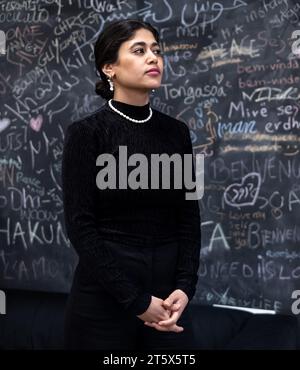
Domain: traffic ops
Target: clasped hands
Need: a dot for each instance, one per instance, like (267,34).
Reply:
(164,314)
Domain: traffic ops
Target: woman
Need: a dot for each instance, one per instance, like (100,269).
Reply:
(138,248)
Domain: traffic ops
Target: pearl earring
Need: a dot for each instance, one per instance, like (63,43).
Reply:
(111,85)
(153,90)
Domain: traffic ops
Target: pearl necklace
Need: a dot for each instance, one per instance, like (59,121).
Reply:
(129,118)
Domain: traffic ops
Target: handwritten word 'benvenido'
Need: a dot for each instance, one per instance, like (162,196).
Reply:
(138,177)
(2,303)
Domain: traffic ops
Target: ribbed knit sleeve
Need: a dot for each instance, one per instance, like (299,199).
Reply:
(79,198)
(189,236)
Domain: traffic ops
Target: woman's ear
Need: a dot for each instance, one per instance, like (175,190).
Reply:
(107,70)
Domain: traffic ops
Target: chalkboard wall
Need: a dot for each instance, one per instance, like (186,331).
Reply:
(229,73)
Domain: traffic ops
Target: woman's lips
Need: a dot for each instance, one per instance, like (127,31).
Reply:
(153,73)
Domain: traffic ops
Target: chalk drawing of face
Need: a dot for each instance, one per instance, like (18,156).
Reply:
(290,150)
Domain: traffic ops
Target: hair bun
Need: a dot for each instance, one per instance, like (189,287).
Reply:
(102,89)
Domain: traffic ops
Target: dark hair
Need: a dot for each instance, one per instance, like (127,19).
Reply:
(107,47)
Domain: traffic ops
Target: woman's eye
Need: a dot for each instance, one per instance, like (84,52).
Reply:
(158,51)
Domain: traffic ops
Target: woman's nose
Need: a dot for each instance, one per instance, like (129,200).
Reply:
(152,56)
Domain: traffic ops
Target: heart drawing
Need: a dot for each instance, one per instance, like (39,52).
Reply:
(36,123)
(243,193)
(4,122)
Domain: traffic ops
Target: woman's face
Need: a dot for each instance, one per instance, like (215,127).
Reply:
(136,56)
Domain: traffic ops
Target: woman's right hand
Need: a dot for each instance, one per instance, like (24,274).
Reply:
(155,312)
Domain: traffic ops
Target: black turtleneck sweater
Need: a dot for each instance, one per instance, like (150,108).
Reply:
(135,216)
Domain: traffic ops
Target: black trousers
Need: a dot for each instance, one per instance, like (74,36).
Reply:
(94,320)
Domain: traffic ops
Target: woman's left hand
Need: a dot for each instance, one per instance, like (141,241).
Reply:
(175,303)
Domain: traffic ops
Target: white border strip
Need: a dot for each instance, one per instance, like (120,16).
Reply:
(252,310)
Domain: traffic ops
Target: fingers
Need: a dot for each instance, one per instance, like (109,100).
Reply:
(175,328)
(156,326)
(167,303)
(171,306)
(179,329)
(170,321)
(164,315)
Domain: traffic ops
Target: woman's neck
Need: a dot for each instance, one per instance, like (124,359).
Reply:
(133,98)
